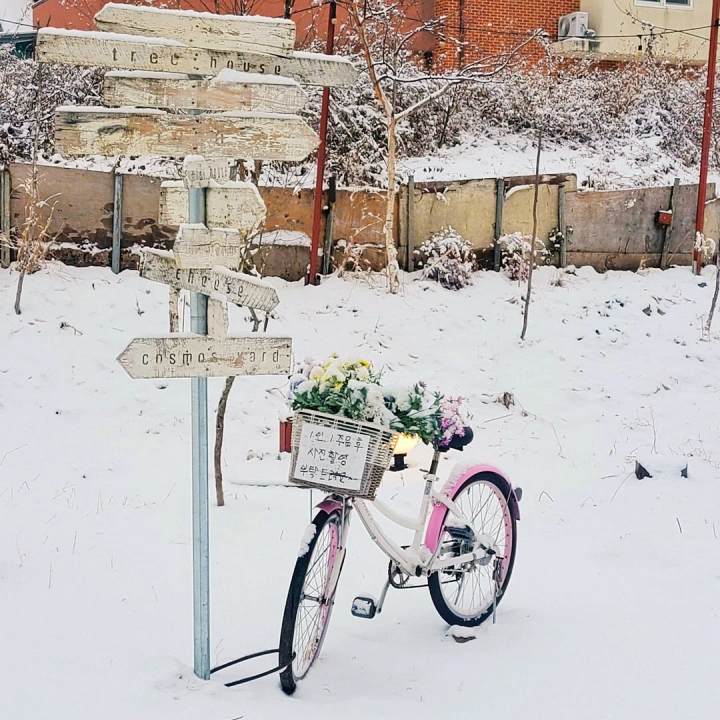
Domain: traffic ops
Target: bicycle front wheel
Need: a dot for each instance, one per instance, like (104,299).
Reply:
(467,595)
(310,599)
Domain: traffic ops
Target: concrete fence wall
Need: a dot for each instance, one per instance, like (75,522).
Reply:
(609,230)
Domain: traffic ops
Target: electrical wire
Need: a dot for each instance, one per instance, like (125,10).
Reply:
(475,28)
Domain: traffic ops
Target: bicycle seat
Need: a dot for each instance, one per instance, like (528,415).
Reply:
(458,442)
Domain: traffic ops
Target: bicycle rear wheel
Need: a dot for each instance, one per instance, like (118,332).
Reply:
(310,599)
(467,595)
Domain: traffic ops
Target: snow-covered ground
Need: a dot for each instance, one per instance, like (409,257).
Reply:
(613,608)
(615,163)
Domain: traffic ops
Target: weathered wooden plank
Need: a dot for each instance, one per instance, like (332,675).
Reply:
(234,287)
(80,47)
(228,90)
(201,29)
(198,171)
(126,131)
(183,356)
(173,302)
(230,204)
(217,318)
(197,246)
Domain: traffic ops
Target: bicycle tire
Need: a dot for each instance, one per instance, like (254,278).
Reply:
(438,581)
(296,660)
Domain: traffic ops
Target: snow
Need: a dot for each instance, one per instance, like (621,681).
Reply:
(295,238)
(148,74)
(461,634)
(228,75)
(612,610)
(110,36)
(152,165)
(493,152)
(97,110)
(202,14)
(307,538)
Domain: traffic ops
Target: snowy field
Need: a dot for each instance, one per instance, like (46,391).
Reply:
(608,164)
(613,611)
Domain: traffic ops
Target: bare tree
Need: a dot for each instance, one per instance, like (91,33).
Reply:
(717,291)
(32,241)
(385,35)
(533,237)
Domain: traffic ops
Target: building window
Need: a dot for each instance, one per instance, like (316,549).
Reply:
(665,3)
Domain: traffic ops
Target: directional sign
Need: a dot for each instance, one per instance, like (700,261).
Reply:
(198,171)
(201,29)
(234,287)
(230,204)
(127,131)
(198,247)
(134,52)
(184,356)
(229,90)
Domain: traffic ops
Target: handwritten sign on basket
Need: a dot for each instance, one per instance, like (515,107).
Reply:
(331,456)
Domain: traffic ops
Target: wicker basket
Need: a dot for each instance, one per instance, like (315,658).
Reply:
(339,445)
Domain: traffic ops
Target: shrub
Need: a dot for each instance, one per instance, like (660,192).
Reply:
(515,252)
(446,258)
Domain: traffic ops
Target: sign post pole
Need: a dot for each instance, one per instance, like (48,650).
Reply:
(200,500)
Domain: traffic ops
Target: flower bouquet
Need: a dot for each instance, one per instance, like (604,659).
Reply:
(352,388)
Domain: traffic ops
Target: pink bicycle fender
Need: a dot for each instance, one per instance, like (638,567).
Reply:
(435,525)
(329,504)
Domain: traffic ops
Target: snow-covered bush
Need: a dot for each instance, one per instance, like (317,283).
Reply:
(59,85)
(515,252)
(447,258)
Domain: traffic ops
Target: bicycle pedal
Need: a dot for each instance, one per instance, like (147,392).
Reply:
(364,607)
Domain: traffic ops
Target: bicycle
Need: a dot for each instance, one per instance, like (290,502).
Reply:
(464,544)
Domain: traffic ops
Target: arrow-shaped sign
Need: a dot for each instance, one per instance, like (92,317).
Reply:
(234,287)
(199,247)
(228,90)
(83,130)
(230,204)
(201,29)
(134,52)
(184,356)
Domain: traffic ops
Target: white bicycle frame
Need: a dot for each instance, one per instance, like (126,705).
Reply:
(417,559)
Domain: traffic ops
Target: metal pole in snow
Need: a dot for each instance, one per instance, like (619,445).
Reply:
(200,503)
(320,175)
(707,136)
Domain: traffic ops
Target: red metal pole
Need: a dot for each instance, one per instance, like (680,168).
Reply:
(312,275)
(707,135)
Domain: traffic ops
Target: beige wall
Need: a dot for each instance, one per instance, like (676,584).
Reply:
(624,17)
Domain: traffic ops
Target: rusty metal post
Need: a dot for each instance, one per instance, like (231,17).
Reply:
(707,136)
(312,276)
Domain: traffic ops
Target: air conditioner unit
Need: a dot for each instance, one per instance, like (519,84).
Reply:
(574,25)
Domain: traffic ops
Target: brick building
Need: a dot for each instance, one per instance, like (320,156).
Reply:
(479,28)
(473,29)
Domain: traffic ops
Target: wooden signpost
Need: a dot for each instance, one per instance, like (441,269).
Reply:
(196,246)
(229,90)
(219,282)
(144,131)
(235,79)
(199,172)
(185,356)
(230,204)
(201,29)
(87,47)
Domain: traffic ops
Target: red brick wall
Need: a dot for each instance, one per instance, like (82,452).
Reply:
(492,27)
